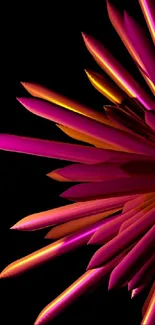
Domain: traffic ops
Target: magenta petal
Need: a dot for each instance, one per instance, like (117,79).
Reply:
(135,258)
(150,119)
(116,71)
(51,251)
(144,274)
(111,188)
(69,212)
(123,240)
(89,127)
(148,205)
(59,150)
(91,173)
(136,202)
(141,44)
(108,231)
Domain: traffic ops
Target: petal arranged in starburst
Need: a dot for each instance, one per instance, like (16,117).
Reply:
(137,291)
(105,87)
(77,224)
(117,72)
(97,130)
(125,186)
(114,204)
(80,286)
(51,96)
(149,14)
(106,233)
(150,119)
(69,212)
(143,47)
(91,173)
(144,274)
(134,259)
(53,250)
(123,239)
(117,21)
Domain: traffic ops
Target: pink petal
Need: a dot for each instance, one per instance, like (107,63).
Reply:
(86,125)
(123,240)
(111,188)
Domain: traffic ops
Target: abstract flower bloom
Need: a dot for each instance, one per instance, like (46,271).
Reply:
(114,205)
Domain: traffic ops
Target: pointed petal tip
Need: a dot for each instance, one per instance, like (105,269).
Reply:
(2,275)
(37,322)
(47,236)
(92,241)
(84,36)
(111,285)
(63,195)
(132,294)
(15,226)
(23,83)
(90,265)
(130,286)
(40,320)
(21,100)
(5,273)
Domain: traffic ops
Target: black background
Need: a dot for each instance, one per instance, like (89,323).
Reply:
(43,44)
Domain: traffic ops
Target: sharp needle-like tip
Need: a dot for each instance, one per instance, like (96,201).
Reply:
(23,83)
(47,237)
(13,227)
(84,35)
(89,266)
(20,100)
(92,241)
(40,321)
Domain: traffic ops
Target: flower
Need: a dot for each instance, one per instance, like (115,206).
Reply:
(114,202)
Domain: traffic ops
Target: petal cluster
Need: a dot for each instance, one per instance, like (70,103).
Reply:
(113,203)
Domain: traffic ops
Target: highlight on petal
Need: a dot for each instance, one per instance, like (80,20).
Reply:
(106,233)
(69,212)
(149,315)
(115,205)
(123,240)
(146,208)
(77,224)
(105,87)
(147,301)
(79,287)
(122,273)
(89,127)
(144,274)
(85,138)
(135,292)
(143,47)
(51,96)
(53,250)
(117,20)
(115,70)
(149,14)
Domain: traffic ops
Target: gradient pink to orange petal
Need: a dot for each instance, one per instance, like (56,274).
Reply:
(113,203)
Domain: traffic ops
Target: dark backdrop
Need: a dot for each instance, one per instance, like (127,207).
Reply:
(44,44)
